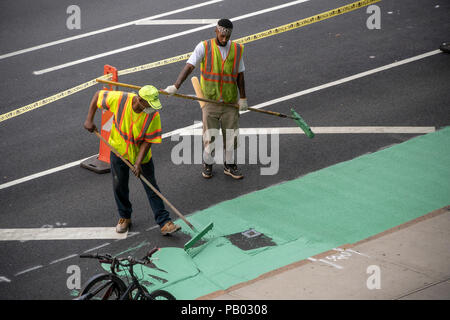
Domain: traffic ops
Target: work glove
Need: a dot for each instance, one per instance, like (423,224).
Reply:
(171,90)
(243,106)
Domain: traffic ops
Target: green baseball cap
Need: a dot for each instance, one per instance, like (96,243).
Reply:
(151,95)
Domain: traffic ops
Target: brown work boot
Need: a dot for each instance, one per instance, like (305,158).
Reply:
(123,225)
(232,170)
(169,228)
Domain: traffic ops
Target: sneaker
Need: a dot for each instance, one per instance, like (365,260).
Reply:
(232,170)
(169,228)
(207,171)
(123,225)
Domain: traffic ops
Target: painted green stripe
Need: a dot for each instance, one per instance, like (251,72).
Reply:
(341,204)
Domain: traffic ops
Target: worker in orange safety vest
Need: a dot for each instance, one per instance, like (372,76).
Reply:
(136,126)
(222,79)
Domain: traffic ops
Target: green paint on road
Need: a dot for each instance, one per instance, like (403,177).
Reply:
(341,204)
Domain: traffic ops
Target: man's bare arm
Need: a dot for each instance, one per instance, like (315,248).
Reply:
(143,150)
(89,123)
(241,85)
(187,70)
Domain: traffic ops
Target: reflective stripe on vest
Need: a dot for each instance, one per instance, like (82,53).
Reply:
(218,77)
(121,137)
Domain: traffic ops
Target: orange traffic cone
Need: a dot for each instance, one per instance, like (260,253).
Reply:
(101,163)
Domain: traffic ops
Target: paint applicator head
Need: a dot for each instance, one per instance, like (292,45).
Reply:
(302,124)
(198,236)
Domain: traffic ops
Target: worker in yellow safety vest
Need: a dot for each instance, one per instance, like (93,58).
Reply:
(136,126)
(222,79)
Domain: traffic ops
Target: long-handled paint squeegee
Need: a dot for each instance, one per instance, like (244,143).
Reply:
(294,115)
(198,235)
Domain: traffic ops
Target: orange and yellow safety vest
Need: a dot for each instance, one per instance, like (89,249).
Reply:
(218,76)
(129,128)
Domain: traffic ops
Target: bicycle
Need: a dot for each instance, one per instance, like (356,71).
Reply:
(108,286)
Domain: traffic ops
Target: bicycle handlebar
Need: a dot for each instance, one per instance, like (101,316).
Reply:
(151,252)
(107,258)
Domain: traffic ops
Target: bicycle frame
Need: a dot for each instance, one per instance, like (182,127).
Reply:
(114,284)
(133,285)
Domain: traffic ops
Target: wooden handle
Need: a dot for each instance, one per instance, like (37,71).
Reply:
(145,181)
(272,113)
(198,90)
(166,93)
(114,83)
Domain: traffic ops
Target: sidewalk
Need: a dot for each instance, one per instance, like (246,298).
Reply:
(413,261)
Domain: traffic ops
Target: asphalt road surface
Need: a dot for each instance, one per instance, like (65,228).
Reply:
(412,94)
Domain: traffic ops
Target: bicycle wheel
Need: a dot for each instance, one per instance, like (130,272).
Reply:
(161,295)
(136,294)
(103,287)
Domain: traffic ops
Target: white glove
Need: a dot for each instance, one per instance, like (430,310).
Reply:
(171,90)
(243,106)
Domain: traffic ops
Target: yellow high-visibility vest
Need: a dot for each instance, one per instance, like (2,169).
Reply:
(219,77)
(129,128)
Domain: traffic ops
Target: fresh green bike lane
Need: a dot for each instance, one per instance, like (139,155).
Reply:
(271,228)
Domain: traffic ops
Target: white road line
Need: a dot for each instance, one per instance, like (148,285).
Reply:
(111,52)
(259,106)
(96,248)
(41,174)
(151,228)
(88,34)
(168,37)
(320,130)
(22,234)
(347,79)
(132,234)
(65,258)
(282,6)
(77,163)
(27,270)
(177,21)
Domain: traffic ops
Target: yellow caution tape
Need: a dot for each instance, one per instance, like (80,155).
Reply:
(307,21)
(264,34)
(56,97)
(156,64)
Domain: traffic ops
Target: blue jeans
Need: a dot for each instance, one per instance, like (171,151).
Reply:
(120,174)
